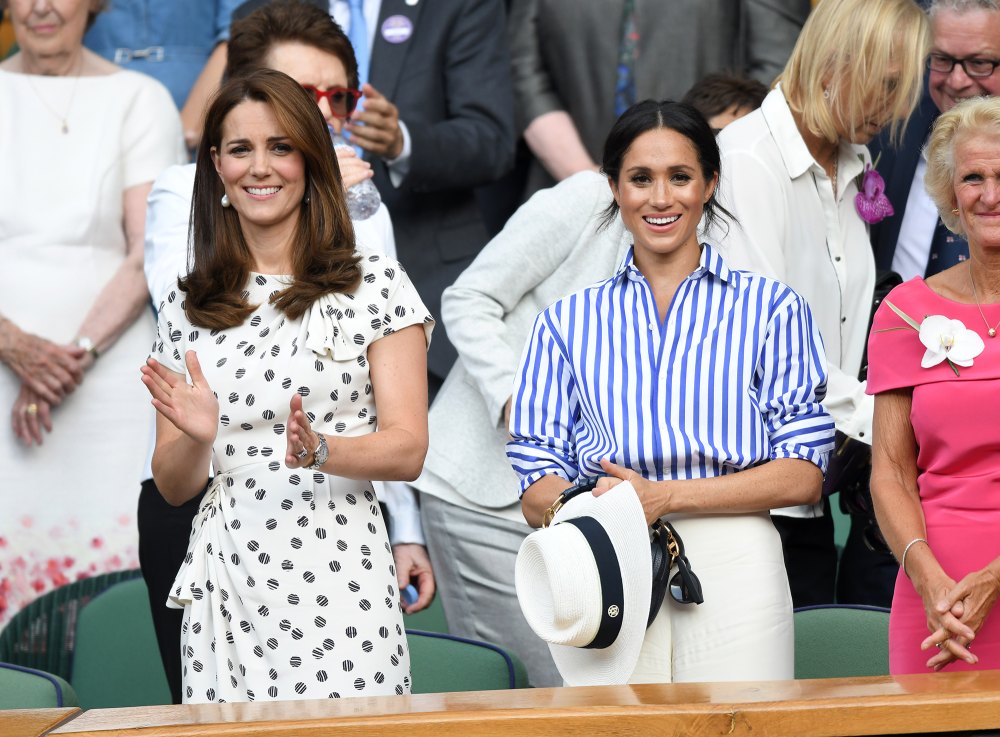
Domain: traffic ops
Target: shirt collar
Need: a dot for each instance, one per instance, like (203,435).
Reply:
(794,152)
(709,263)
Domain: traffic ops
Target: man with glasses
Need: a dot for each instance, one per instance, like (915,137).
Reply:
(962,63)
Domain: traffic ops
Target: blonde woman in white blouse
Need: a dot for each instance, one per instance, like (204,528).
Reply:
(790,179)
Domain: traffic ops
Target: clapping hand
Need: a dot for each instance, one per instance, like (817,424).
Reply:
(302,441)
(192,408)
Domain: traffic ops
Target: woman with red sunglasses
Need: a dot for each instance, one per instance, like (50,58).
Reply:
(302,41)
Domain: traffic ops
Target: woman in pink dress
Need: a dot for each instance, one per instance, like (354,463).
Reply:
(934,368)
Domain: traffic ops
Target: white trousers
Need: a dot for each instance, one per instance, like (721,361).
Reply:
(743,631)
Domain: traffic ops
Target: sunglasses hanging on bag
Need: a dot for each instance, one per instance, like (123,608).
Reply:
(668,551)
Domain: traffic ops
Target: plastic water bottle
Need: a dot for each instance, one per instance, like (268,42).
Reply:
(363,199)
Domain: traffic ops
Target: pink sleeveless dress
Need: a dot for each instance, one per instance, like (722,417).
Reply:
(955,423)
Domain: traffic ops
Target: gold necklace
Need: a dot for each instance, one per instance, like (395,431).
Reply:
(64,119)
(991,331)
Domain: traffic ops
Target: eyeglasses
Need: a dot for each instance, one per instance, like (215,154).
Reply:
(342,100)
(684,586)
(974,67)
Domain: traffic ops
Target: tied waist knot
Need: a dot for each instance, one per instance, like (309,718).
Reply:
(199,558)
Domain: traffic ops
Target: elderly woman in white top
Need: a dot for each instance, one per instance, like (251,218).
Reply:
(790,178)
(81,141)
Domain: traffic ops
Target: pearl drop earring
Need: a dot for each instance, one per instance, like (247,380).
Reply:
(225,200)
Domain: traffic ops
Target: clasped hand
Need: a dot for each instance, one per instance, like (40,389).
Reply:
(955,613)
(48,373)
(30,415)
(49,370)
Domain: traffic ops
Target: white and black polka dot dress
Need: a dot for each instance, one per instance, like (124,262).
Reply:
(288,586)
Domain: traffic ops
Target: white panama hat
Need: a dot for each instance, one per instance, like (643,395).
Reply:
(584,585)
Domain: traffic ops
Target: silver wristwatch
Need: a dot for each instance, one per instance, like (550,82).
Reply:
(320,455)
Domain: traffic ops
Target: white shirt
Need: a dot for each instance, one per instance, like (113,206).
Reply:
(913,246)
(791,229)
(166,258)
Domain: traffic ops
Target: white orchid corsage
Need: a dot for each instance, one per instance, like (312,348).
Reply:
(945,340)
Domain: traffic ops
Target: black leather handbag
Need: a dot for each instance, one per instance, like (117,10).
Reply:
(667,550)
(850,467)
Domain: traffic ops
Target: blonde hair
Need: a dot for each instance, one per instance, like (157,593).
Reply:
(843,53)
(980,115)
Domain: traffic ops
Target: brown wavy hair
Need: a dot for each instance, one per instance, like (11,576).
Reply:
(323,260)
(286,21)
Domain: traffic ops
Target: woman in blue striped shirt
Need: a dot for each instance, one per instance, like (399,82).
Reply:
(698,384)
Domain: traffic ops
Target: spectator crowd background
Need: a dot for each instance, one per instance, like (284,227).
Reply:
(469,110)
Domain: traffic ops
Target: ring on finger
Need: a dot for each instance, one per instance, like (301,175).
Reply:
(31,409)
(302,454)
(940,645)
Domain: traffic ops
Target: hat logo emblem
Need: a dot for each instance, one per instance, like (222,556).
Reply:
(613,611)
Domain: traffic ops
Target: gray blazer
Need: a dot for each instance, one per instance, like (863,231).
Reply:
(564,54)
(549,248)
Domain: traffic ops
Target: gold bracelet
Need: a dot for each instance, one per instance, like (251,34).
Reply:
(902,560)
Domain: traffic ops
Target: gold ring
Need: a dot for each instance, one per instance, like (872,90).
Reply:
(31,409)
(940,644)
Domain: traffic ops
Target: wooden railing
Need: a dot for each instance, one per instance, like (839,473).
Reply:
(943,702)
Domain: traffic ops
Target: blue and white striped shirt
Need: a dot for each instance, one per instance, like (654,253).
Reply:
(732,378)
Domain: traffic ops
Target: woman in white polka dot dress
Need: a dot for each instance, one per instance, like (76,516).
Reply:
(269,358)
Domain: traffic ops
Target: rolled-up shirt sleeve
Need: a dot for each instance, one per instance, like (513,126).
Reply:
(545,408)
(791,382)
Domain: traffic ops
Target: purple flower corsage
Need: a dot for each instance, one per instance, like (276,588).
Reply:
(870,201)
